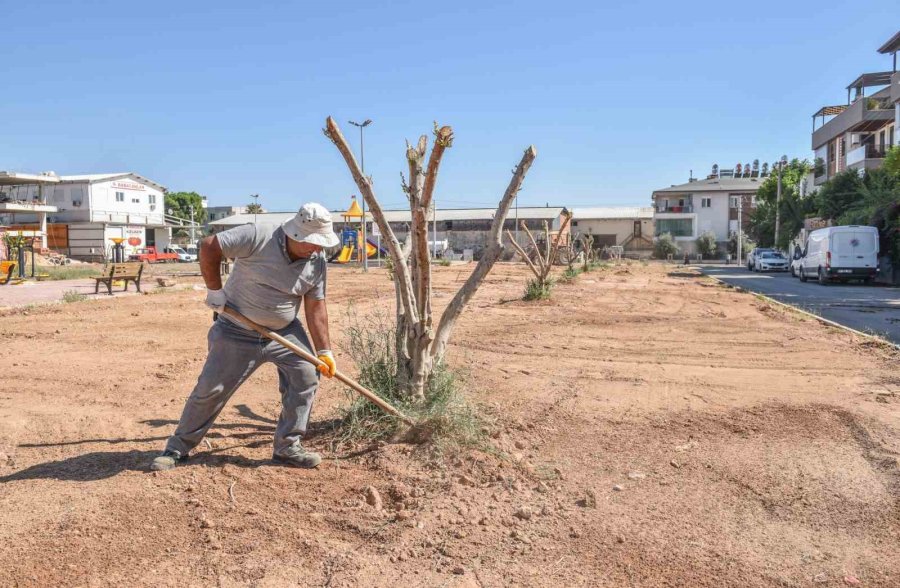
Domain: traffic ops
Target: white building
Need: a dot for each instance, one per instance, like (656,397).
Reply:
(689,210)
(94,208)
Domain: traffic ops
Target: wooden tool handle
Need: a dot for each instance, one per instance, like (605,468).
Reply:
(365,392)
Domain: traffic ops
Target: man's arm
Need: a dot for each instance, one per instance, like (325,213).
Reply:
(211,262)
(317,322)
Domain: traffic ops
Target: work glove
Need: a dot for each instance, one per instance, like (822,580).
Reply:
(215,299)
(327,358)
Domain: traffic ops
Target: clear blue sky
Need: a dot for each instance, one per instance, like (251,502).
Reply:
(229,98)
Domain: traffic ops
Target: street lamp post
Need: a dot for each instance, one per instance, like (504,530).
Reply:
(255,206)
(362,162)
(781,163)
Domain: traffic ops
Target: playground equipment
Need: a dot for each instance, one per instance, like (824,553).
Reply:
(351,239)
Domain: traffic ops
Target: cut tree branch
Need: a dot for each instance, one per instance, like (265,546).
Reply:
(401,270)
(443,138)
(524,255)
(488,258)
(537,250)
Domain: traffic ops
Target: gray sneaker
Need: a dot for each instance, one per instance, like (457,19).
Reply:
(299,458)
(166,461)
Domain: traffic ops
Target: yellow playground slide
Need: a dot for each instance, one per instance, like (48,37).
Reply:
(346,254)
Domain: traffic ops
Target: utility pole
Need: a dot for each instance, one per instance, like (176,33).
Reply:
(781,165)
(192,225)
(362,163)
(740,234)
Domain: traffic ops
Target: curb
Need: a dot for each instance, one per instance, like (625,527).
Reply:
(806,313)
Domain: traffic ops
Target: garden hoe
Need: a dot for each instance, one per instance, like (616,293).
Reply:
(368,394)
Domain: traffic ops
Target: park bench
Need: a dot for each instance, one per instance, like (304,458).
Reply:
(6,271)
(120,271)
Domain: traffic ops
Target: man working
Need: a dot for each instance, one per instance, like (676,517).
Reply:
(274,270)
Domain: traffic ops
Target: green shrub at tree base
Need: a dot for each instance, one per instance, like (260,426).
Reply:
(707,246)
(664,246)
(535,290)
(450,421)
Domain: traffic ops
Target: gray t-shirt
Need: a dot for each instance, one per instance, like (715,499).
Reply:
(265,285)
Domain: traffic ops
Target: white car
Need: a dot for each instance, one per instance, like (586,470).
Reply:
(754,255)
(771,261)
(183,256)
(842,253)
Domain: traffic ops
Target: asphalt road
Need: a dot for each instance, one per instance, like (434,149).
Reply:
(870,309)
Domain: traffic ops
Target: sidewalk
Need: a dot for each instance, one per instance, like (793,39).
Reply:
(32,292)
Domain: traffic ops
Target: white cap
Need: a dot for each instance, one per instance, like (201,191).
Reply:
(312,225)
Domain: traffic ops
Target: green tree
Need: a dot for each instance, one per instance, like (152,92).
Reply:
(706,245)
(793,209)
(747,245)
(838,194)
(665,246)
(180,205)
(892,161)
(877,203)
(254,208)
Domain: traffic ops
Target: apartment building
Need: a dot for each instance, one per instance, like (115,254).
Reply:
(715,204)
(857,135)
(82,213)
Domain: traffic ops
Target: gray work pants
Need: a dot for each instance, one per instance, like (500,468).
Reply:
(234,354)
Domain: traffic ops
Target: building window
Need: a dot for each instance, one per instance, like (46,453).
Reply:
(574,223)
(135,200)
(679,227)
(448,225)
(151,198)
(705,202)
(120,196)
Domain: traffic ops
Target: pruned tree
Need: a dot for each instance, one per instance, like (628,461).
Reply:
(421,345)
(543,259)
(587,247)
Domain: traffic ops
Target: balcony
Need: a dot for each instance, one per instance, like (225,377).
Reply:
(868,113)
(687,208)
(866,156)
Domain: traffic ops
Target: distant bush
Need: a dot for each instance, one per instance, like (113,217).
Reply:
(664,246)
(707,246)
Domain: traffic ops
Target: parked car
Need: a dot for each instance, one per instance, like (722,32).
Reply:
(151,255)
(840,254)
(193,252)
(753,255)
(771,261)
(183,256)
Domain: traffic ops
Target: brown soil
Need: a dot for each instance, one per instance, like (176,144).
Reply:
(653,429)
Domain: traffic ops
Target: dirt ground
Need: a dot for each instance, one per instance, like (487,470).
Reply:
(654,428)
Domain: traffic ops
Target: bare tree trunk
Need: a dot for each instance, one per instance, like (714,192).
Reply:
(419,346)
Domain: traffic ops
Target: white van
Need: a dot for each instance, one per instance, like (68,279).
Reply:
(840,253)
